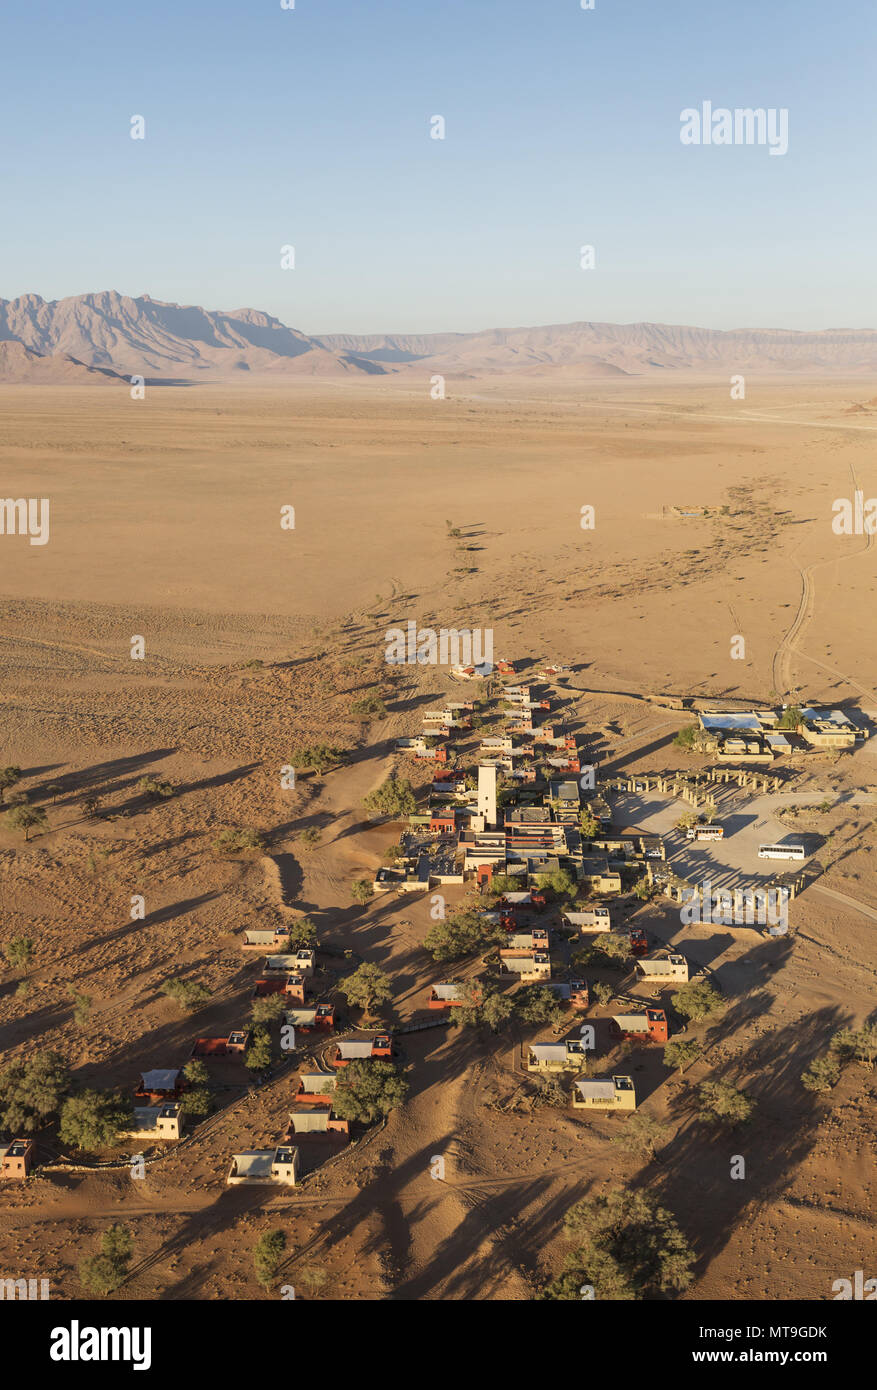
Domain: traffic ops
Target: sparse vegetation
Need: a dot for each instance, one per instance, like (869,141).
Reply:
(104,1273)
(267,1254)
(234,841)
(18,952)
(8,778)
(189,994)
(822,1074)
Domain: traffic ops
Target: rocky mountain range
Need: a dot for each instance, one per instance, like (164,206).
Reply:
(91,337)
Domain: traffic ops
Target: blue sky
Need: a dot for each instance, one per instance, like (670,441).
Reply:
(310,127)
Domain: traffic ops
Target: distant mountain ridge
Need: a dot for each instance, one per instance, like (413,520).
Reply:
(145,336)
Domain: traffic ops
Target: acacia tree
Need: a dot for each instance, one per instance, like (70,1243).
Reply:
(366,986)
(8,777)
(698,1000)
(25,817)
(461,935)
(32,1090)
(722,1103)
(368,1090)
(394,797)
(627,1247)
(93,1119)
(678,1052)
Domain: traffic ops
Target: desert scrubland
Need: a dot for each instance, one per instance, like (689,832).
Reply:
(165,524)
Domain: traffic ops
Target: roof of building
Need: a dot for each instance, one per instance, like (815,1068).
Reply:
(355,1048)
(602,1088)
(162,1079)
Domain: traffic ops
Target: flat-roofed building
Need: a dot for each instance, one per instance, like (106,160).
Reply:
(16,1158)
(279,1166)
(563,1056)
(604,1093)
(663,969)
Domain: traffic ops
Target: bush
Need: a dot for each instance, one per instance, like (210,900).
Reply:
(361,890)
(267,1254)
(233,841)
(106,1272)
(822,1074)
(258,1055)
(19,952)
(155,789)
(189,994)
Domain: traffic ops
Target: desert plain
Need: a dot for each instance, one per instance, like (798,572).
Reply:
(165,524)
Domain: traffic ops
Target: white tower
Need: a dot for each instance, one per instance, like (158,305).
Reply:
(487,796)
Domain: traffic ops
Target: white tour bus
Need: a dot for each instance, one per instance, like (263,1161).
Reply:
(781,852)
(705,832)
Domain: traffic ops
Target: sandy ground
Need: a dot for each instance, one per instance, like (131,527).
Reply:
(166,524)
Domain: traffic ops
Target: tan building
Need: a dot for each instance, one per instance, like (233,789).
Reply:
(551,1057)
(663,969)
(604,1093)
(16,1157)
(158,1121)
(827,729)
(279,1166)
(597,876)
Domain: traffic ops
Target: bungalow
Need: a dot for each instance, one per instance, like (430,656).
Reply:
(157,1122)
(604,1093)
(648,1026)
(298,962)
(352,1049)
(531,966)
(314,1087)
(263,939)
(575,992)
(16,1158)
(308,1120)
(446,996)
(662,968)
(279,1166)
(449,786)
(317,1020)
(591,919)
(563,1056)
(162,1084)
(523,943)
(443,822)
(234,1043)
